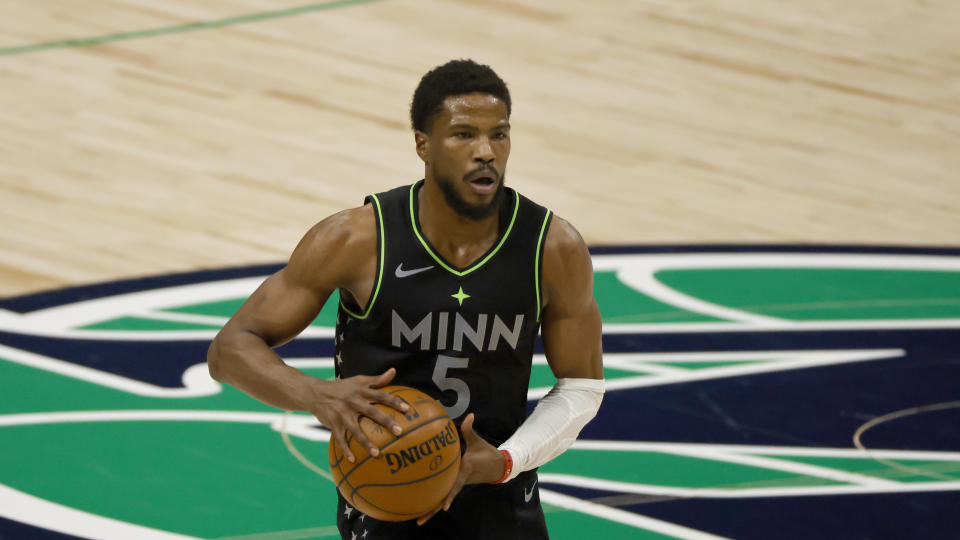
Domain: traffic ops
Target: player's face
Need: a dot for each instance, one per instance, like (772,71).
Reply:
(466,152)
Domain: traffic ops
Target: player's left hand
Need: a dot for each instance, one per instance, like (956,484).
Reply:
(481,463)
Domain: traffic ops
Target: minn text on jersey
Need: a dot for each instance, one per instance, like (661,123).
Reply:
(483,334)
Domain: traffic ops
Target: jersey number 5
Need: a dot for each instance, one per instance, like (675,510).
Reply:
(444,382)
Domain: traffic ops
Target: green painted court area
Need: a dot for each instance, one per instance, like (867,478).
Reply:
(216,468)
(663,469)
(621,304)
(182,476)
(203,479)
(38,390)
(199,478)
(800,294)
(564,524)
(900,470)
(226,308)
(618,303)
(806,294)
(146,323)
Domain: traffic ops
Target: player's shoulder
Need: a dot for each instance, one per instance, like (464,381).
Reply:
(341,239)
(346,226)
(567,268)
(563,240)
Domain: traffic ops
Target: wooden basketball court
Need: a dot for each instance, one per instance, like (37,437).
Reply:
(141,138)
(153,138)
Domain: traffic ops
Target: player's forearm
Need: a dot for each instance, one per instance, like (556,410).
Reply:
(244,361)
(554,424)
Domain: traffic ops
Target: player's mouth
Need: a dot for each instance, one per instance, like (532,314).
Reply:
(483,182)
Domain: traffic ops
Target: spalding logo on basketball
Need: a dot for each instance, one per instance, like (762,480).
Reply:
(414,471)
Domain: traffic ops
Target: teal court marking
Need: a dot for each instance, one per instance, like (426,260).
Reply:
(652,294)
(181,28)
(153,438)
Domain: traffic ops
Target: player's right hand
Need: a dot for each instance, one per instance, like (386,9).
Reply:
(339,405)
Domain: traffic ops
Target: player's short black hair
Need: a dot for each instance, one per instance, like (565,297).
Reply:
(455,78)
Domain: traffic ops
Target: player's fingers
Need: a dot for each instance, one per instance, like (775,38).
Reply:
(384,378)
(466,428)
(457,486)
(467,425)
(382,418)
(341,440)
(423,519)
(376,396)
(353,427)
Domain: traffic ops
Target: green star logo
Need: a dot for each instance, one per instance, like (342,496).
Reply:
(460,296)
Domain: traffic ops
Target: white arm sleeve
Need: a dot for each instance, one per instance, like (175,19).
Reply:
(554,424)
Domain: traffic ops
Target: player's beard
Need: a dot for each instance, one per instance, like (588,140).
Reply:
(471,211)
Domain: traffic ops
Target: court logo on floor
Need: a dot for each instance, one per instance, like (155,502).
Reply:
(737,379)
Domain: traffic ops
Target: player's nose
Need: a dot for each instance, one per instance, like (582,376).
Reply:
(483,150)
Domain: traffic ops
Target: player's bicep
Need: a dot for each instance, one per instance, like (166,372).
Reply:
(279,309)
(572,344)
(290,300)
(572,329)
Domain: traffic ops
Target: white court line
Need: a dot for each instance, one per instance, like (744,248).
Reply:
(755,355)
(608,329)
(149,335)
(786,326)
(622,516)
(638,271)
(791,467)
(745,492)
(784,361)
(89,311)
(196,380)
(173,316)
(684,261)
(798,451)
(25,508)
(634,269)
(612,362)
(308,363)
(198,383)
(306,424)
(12,323)
(139,415)
(643,280)
(299,425)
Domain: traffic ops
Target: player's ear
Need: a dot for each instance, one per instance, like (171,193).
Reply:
(423,145)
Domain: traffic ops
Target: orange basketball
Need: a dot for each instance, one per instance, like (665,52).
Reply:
(413,472)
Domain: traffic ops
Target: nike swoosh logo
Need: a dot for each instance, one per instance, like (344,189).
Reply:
(527,495)
(401,273)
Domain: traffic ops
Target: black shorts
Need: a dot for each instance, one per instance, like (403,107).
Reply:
(480,512)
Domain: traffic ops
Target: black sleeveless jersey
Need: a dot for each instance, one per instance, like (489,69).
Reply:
(462,335)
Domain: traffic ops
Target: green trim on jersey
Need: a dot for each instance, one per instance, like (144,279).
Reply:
(380,263)
(478,264)
(536,260)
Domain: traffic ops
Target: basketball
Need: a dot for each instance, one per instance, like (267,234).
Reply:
(413,472)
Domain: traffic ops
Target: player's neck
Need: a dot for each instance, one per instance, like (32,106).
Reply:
(459,239)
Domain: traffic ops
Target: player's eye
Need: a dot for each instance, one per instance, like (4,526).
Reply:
(463,135)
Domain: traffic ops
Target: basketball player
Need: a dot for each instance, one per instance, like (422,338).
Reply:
(444,285)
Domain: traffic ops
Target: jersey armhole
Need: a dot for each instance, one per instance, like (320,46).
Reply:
(381,250)
(538,264)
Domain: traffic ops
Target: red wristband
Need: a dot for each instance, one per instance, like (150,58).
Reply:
(507,468)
